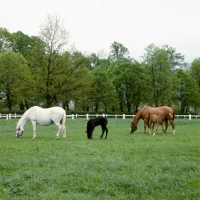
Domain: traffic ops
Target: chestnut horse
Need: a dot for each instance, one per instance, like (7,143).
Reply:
(158,120)
(145,113)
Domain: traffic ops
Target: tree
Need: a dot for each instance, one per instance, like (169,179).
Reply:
(24,44)
(131,83)
(195,70)
(161,62)
(186,92)
(118,52)
(5,40)
(54,35)
(15,78)
(48,62)
(78,80)
(103,94)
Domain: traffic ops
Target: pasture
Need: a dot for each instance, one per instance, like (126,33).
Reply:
(125,166)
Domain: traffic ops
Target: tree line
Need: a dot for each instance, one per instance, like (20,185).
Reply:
(43,70)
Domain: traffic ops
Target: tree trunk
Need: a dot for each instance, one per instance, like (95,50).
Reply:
(21,106)
(129,106)
(96,108)
(121,107)
(48,103)
(26,104)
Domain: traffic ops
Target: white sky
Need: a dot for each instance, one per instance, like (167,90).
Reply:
(95,24)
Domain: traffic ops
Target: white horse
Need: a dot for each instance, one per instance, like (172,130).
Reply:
(47,116)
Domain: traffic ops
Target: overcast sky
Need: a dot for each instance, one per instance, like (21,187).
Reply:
(95,24)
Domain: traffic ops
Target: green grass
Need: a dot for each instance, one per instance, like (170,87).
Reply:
(125,166)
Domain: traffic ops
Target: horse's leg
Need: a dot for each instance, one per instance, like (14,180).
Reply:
(34,128)
(146,123)
(157,125)
(163,128)
(91,137)
(153,129)
(59,128)
(103,130)
(166,125)
(151,126)
(64,131)
(106,132)
(154,132)
(172,124)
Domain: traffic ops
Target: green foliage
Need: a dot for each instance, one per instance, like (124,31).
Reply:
(59,75)
(24,44)
(78,84)
(186,91)
(15,78)
(124,166)
(118,52)
(160,64)
(5,40)
(115,83)
(195,70)
(131,83)
(103,94)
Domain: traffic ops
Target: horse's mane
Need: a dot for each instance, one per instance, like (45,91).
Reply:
(138,115)
(23,116)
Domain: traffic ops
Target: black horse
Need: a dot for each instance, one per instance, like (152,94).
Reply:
(92,123)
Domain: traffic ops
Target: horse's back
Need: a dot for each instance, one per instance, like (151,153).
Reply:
(56,109)
(101,121)
(97,121)
(159,110)
(147,111)
(56,113)
(46,115)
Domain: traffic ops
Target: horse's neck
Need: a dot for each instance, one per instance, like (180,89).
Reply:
(137,118)
(23,120)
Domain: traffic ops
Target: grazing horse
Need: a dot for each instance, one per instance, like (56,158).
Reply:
(158,120)
(145,113)
(47,116)
(92,123)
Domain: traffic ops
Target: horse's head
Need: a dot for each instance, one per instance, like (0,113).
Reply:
(133,127)
(89,134)
(19,132)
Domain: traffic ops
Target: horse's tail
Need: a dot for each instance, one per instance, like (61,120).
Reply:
(173,113)
(63,119)
(171,116)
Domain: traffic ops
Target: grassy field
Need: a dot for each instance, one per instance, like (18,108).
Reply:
(125,166)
